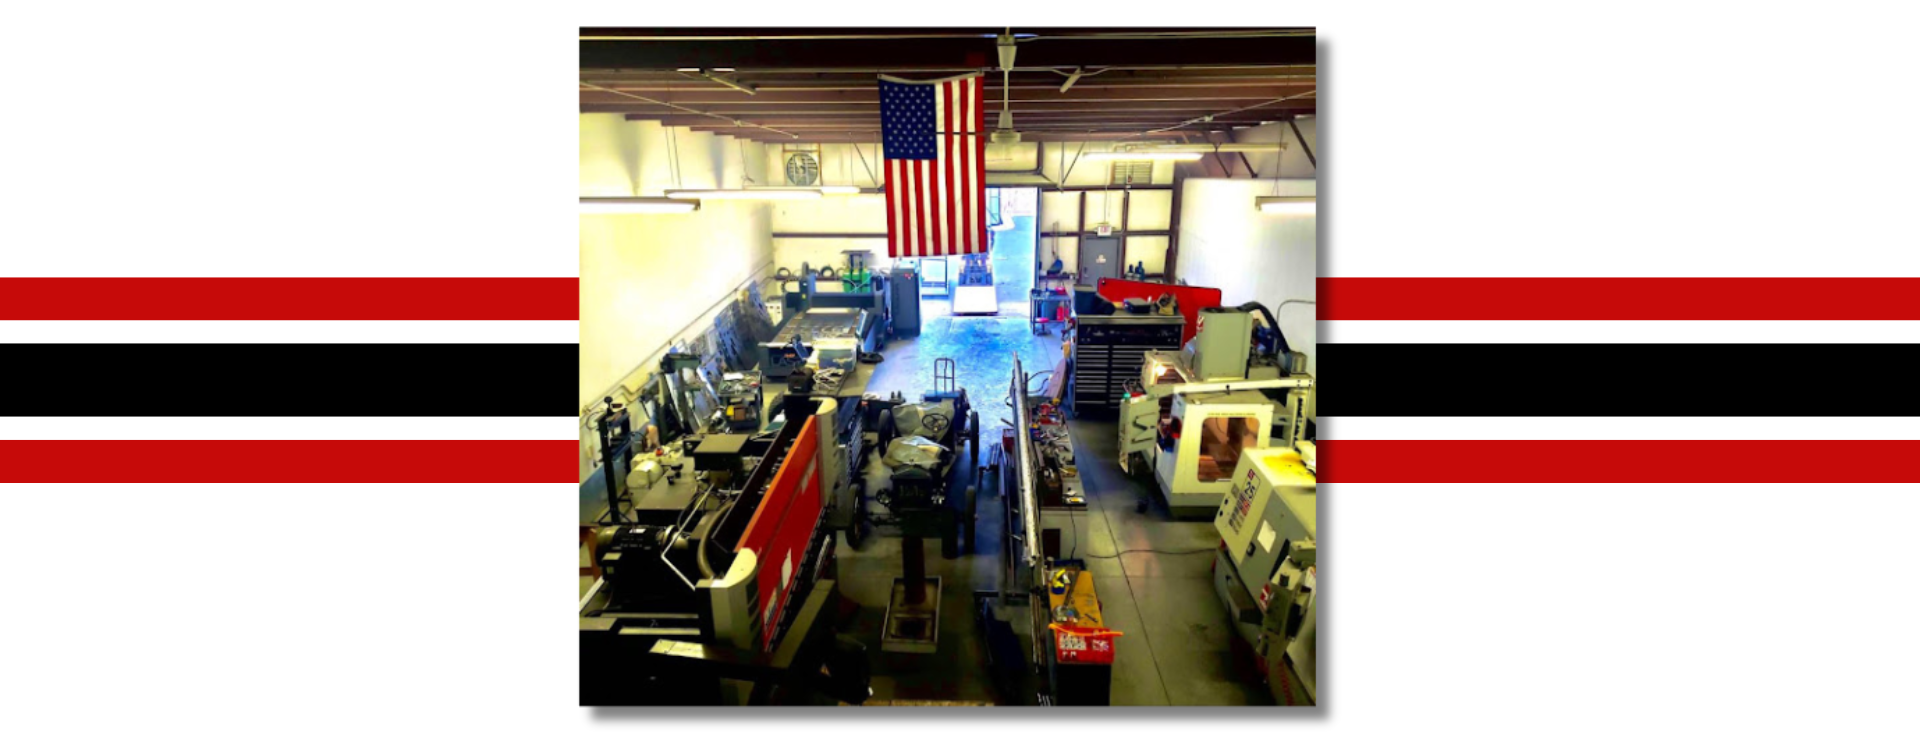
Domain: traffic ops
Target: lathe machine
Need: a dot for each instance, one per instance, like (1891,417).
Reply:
(1267,567)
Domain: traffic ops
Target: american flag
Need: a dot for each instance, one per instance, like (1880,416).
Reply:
(933,136)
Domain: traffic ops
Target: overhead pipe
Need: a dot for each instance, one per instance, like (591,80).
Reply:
(1210,117)
(709,75)
(657,102)
(1224,147)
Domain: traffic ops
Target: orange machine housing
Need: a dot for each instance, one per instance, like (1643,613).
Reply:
(783,528)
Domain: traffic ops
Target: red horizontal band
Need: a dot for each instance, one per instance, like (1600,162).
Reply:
(1620,461)
(1618,299)
(289,299)
(289,462)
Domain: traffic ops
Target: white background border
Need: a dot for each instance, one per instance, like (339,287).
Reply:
(1463,139)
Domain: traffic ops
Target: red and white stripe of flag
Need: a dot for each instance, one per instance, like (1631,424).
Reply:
(938,207)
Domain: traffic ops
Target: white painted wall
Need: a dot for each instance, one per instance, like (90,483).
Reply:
(646,278)
(1293,158)
(850,214)
(1250,255)
(609,156)
(841,164)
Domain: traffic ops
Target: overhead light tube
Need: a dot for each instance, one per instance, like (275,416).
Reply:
(635,206)
(1143,156)
(1287,205)
(744,194)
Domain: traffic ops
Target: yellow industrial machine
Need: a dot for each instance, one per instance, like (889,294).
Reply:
(1267,566)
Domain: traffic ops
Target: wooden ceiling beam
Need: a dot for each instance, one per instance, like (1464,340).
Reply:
(870,137)
(1042,108)
(867,88)
(872,49)
(1020,76)
(1019,120)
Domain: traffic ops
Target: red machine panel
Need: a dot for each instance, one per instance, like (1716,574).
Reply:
(783,527)
(1191,299)
(1083,645)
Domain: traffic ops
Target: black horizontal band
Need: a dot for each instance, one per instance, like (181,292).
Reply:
(1620,380)
(372,380)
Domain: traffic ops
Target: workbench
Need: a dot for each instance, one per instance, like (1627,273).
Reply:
(1043,307)
(1063,520)
(1047,526)
(853,386)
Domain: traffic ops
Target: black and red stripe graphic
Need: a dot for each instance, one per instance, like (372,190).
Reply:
(287,461)
(1620,380)
(1619,299)
(288,380)
(269,382)
(1620,461)
(401,404)
(1773,386)
(289,299)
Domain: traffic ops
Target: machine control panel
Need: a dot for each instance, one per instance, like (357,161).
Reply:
(1269,508)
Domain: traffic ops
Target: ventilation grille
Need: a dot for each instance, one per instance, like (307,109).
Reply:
(1127,172)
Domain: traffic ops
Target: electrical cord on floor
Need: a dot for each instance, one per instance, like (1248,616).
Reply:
(1151,551)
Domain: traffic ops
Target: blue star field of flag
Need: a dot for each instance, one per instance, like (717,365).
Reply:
(907,129)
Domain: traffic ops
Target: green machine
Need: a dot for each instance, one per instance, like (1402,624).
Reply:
(858,277)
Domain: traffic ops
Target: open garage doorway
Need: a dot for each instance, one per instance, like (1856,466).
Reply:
(980,322)
(1012,246)
(998,283)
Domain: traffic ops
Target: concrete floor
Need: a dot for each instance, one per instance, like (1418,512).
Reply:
(1177,633)
(1175,648)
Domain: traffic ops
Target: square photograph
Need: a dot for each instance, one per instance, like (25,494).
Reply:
(948,367)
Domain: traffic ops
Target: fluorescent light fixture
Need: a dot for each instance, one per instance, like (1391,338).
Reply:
(744,193)
(1287,205)
(1144,155)
(635,205)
